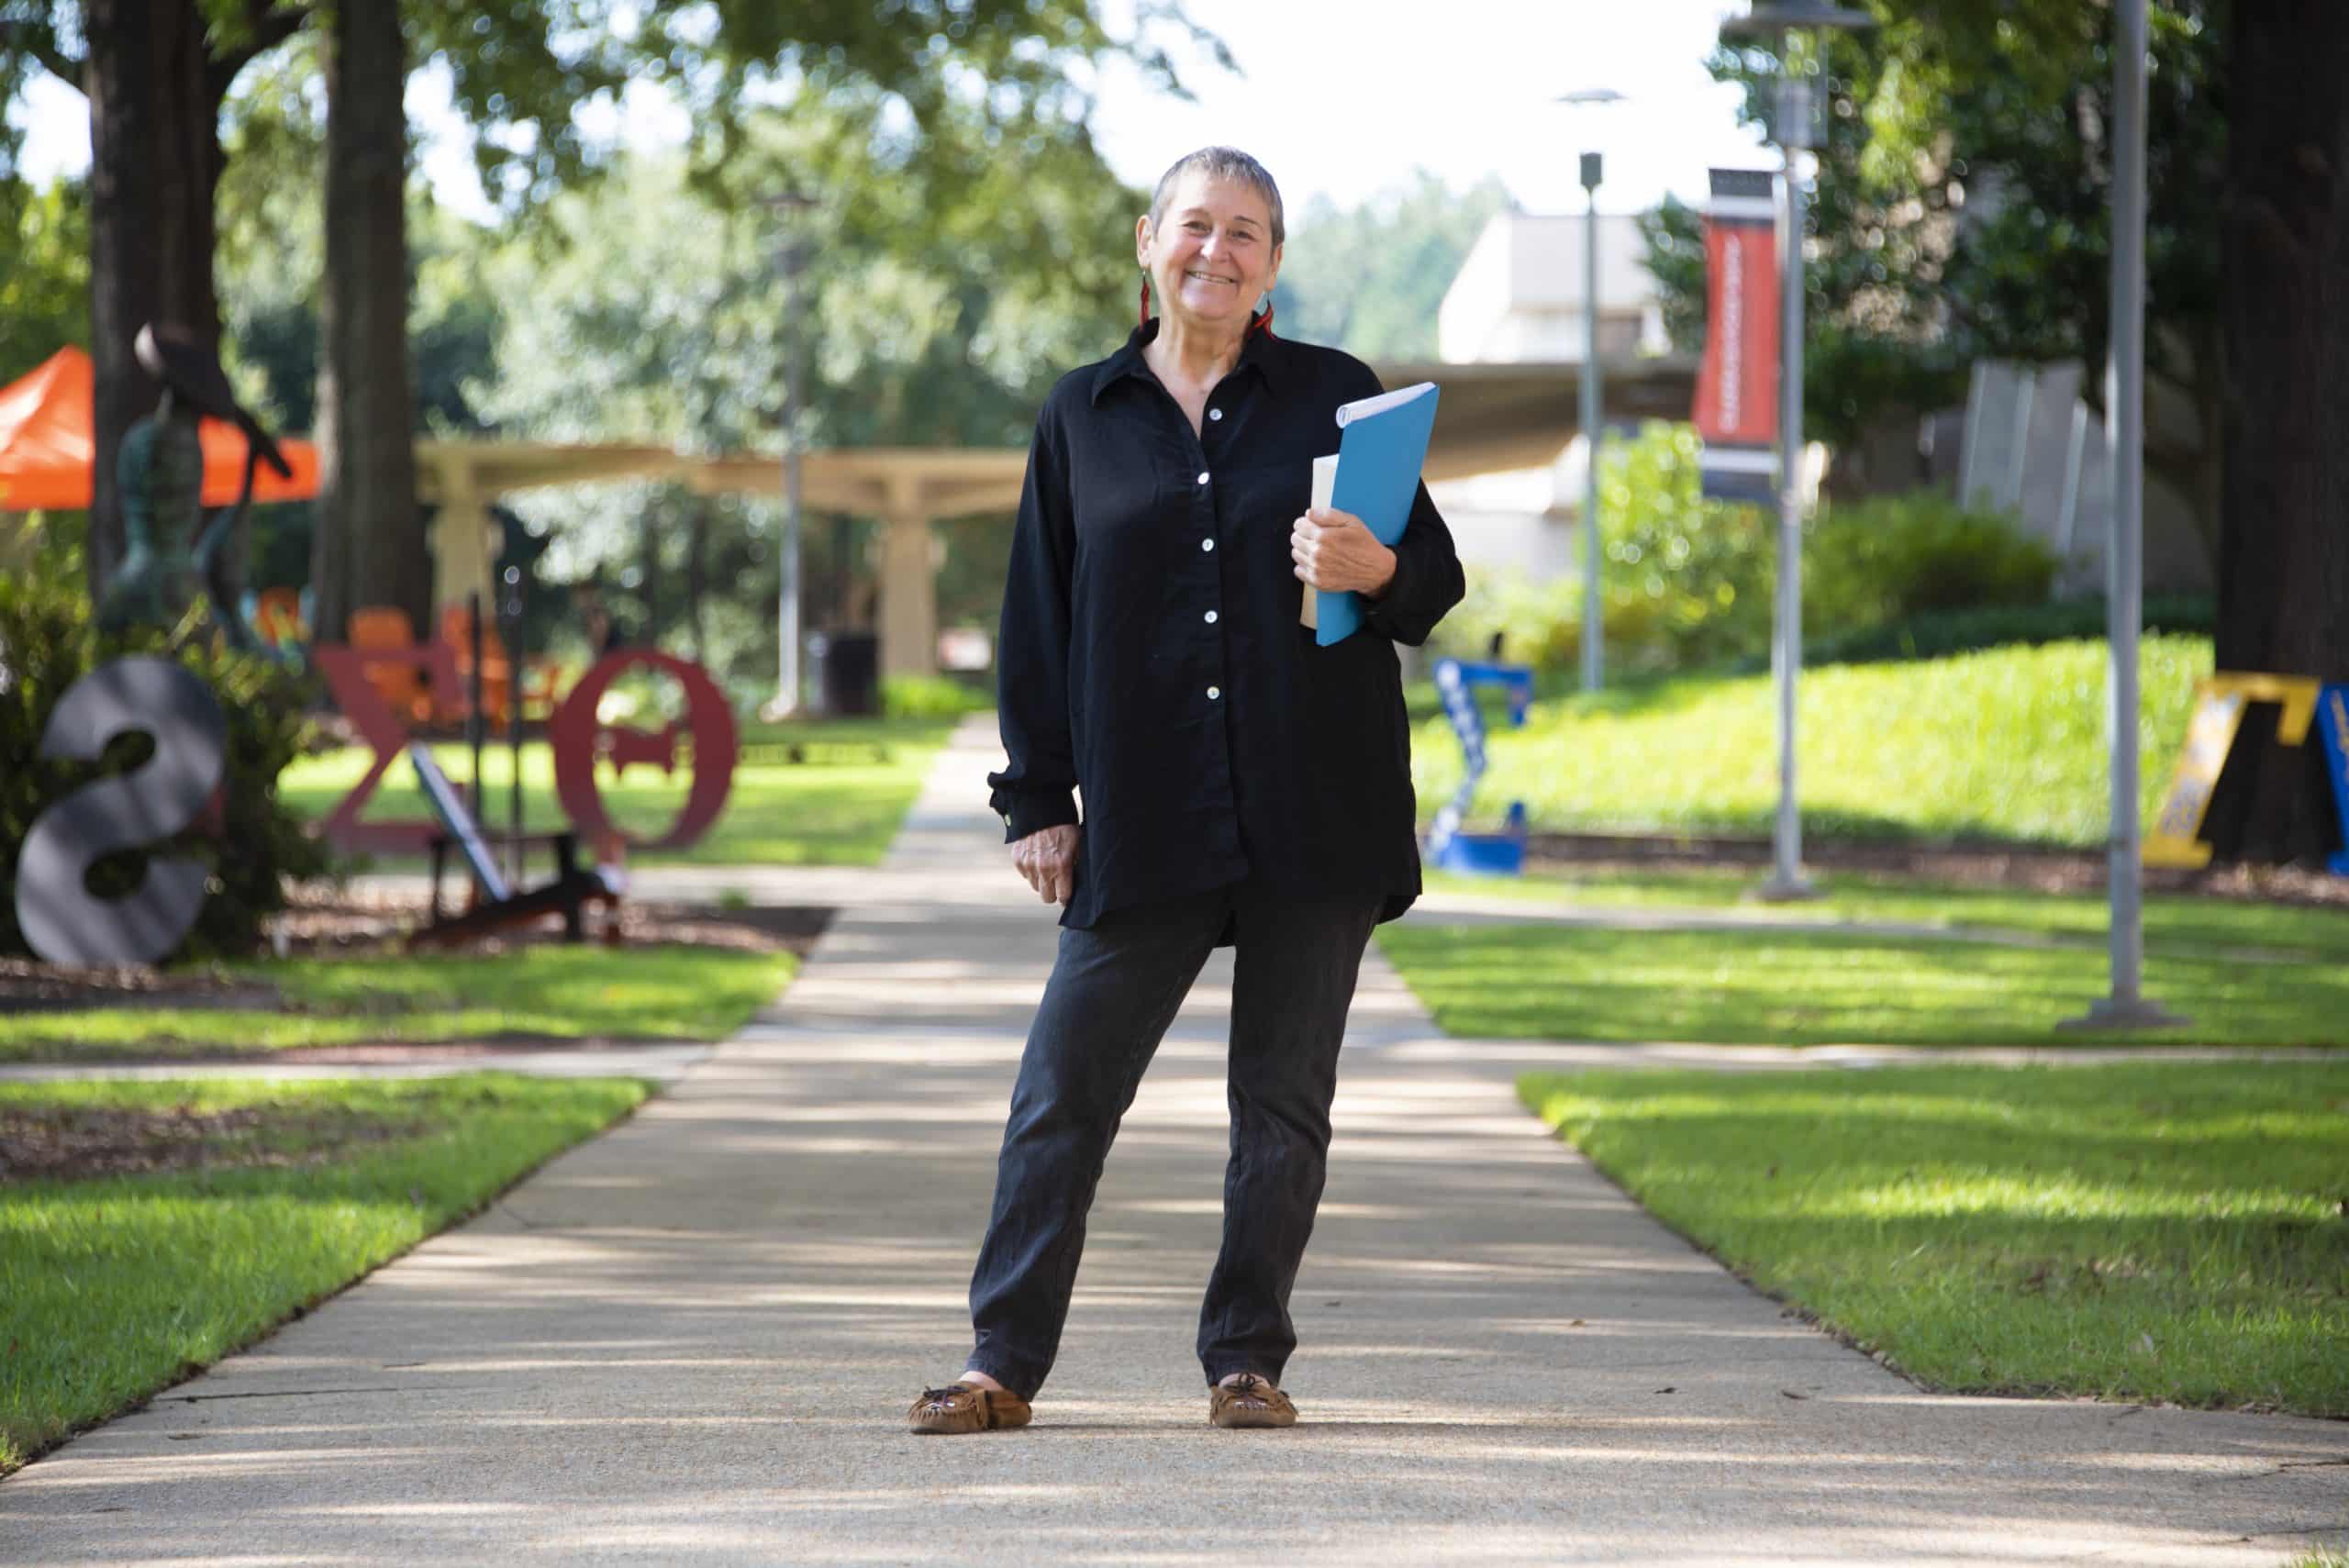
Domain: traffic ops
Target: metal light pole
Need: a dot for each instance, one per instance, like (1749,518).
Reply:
(794,256)
(1594,603)
(1779,22)
(2126,1008)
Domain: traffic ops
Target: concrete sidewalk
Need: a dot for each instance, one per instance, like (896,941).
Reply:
(693,1340)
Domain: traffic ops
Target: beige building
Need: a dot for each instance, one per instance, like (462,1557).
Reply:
(1519,296)
(1519,299)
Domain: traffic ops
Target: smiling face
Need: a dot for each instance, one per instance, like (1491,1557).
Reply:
(1210,255)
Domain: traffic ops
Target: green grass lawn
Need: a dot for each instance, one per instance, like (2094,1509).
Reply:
(1802,988)
(2175,923)
(2246,974)
(114,1288)
(2006,744)
(840,805)
(552,993)
(2132,1231)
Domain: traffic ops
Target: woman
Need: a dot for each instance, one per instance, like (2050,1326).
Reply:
(1241,785)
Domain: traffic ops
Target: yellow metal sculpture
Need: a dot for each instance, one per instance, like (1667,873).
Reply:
(2219,702)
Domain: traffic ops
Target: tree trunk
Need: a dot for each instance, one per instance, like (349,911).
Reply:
(2208,492)
(369,547)
(2284,555)
(154,158)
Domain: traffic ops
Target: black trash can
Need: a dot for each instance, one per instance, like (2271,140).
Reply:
(850,677)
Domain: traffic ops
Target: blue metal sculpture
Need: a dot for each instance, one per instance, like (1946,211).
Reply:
(2332,722)
(1492,855)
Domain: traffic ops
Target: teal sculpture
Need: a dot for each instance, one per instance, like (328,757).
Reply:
(171,554)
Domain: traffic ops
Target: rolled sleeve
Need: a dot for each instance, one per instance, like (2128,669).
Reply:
(1036,789)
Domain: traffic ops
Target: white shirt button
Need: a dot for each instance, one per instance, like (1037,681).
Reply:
(1215,412)
(1207,544)
(1214,691)
(1203,476)
(1211,617)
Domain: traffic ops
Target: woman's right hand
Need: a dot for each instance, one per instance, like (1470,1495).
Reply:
(1048,860)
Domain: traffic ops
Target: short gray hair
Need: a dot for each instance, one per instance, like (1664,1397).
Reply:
(1221,163)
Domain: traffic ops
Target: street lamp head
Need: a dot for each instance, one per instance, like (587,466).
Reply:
(1768,18)
(1590,98)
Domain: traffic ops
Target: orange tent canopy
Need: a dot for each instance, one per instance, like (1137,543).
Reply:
(47,446)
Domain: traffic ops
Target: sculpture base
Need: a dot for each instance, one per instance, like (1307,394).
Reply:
(1483,855)
(1793,889)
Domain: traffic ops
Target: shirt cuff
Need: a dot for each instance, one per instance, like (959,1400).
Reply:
(1027,811)
(1397,594)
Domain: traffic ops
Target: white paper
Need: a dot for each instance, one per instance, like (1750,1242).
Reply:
(1363,407)
(1325,479)
(1325,485)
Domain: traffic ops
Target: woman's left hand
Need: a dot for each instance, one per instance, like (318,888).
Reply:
(1336,551)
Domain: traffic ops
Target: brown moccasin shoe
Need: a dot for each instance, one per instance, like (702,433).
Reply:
(966,1407)
(1248,1401)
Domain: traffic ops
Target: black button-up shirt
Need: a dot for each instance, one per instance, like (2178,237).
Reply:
(1151,653)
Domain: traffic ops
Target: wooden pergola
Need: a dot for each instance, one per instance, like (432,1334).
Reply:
(908,489)
(1495,418)
(463,479)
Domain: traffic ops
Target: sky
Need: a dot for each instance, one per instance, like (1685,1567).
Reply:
(1339,99)
(1344,97)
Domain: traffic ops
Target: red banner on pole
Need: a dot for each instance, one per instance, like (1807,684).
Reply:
(1737,385)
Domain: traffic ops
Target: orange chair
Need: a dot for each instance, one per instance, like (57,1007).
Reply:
(496,670)
(386,629)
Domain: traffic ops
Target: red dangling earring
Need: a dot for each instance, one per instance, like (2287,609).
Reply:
(1145,301)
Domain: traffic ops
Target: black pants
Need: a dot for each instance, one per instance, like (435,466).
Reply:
(1113,993)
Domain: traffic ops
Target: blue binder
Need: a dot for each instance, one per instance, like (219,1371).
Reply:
(1380,453)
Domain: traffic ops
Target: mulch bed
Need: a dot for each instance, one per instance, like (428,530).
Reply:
(28,986)
(486,1051)
(326,921)
(1961,865)
(83,1142)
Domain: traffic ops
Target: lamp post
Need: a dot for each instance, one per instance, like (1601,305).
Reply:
(1773,21)
(793,256)
(1593,602)
(2126,1008)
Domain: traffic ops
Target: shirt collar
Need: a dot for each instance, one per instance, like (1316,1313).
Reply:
(1259,352)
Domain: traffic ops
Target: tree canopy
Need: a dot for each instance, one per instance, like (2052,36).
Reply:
(44,291)
(1013,76)
(946,283)
(1963,210)
(1370,279)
